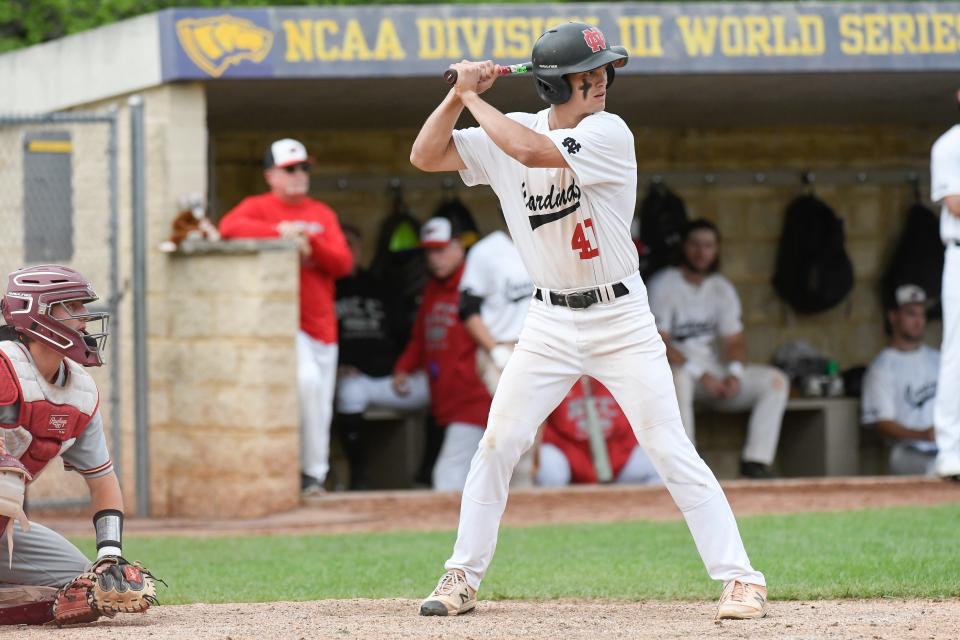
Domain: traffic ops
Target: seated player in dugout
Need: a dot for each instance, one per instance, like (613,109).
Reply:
(900,387)
(440,345)
(49,406)
(370,327)
(588,439)
(698,314)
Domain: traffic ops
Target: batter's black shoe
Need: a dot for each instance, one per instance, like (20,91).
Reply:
(755,470)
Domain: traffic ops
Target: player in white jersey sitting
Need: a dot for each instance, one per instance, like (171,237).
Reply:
(945,188)
(49,407)
(566,178)
(495,292)
(698,310)
(900,386)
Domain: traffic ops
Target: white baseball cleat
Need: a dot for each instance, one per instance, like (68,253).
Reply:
(742,600)
(452,596)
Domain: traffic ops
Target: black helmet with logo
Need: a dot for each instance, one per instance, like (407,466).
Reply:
(571,48)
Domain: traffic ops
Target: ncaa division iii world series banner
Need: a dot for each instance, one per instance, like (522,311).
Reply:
(329,42)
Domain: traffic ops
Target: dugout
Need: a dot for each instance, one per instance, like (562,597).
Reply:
(729,104)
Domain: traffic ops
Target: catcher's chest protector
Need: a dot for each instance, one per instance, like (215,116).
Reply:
(50,418)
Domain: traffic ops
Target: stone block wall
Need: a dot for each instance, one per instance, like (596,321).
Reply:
(224,413)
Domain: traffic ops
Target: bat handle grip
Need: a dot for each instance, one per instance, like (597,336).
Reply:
(450,75)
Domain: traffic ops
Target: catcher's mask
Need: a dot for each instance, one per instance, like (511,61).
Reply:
(571,48)
(32,295)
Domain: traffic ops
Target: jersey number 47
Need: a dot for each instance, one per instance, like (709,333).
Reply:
(581,243)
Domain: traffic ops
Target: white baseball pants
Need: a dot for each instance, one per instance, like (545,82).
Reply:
(946,410)
(553,468)
(905,460)
(460,441)
(316,377)
(358,392)
(490,375)
(764,391)
(616,343)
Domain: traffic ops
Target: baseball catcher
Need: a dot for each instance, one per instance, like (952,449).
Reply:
(49,406)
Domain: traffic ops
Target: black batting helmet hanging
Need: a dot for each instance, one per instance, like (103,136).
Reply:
(570,48)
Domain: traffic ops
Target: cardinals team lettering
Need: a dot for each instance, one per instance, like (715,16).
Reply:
(568,198)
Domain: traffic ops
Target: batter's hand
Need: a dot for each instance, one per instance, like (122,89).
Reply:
(401,383)
(474,77)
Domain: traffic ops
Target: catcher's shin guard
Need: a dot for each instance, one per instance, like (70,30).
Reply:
(31,613)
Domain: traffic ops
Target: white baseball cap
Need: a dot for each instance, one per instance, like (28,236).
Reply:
(909,294)
(436,232)
(285,153)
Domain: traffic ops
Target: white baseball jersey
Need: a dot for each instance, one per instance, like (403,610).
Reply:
(571,226)
(945,179)
(900,386)
(494,271)
(695,315)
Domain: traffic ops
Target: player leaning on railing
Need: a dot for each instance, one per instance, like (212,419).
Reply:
(49,406)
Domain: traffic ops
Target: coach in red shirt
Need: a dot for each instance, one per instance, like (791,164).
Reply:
(286,211)
(440,345)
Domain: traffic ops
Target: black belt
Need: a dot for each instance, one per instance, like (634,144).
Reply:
(956,242)
(583,298)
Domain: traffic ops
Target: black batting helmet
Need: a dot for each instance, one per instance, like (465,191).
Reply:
(571,48)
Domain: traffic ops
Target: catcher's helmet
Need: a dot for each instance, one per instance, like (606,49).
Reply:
(33,292)
(570,48)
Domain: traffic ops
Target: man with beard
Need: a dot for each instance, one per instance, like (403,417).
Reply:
(900,386)
(698,314)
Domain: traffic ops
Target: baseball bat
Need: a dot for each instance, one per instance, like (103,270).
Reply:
(450,75)
(598,443)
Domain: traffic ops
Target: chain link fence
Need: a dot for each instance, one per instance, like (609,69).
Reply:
(58,204)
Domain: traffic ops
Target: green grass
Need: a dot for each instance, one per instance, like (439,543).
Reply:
(901,552)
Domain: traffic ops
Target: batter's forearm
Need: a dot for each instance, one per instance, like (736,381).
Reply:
(521,143)
(434,149)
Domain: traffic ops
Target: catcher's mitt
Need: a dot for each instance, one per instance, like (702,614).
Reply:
(111,586)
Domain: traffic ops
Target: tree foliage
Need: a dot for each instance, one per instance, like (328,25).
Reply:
(27,22)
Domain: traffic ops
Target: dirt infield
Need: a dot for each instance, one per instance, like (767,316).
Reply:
(567,619)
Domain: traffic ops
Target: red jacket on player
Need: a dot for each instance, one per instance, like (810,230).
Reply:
(566,429)
(330,257)
(440,345)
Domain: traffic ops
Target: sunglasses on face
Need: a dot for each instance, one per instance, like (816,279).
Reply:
(300,166)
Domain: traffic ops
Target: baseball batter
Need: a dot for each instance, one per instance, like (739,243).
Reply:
(566,181)
(49,406)
(945,187)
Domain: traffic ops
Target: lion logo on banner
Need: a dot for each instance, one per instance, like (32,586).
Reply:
(217,42)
